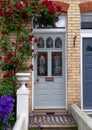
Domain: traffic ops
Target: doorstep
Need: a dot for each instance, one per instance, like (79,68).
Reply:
(62,121)
(49,111)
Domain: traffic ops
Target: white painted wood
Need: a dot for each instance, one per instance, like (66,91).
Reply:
(49,30)
(50,95)
(83,120)
(23,97)
(20,122)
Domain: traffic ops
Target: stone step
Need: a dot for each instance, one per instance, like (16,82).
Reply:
(57,128)
(52,122)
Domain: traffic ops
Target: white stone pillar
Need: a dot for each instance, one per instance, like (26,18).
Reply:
(23,98)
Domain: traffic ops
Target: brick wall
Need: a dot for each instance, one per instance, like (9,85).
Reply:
(73,52)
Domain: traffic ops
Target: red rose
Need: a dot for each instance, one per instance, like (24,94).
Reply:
(1,13)
(26,20)
(36,9)
(3,32)
(18,6)
(32,50)
(10,54)
(31,37)
(58,8)
(26,4)
(9,11)
(51,9)
(20,63)
(6,60)
(20,47)
(5,76)
(8,2)
(31,67)
(36,40)
(5,49)
(46,2)
(11,61)
(0,57)
(2,4)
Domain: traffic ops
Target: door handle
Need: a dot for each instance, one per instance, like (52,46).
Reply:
(37,80)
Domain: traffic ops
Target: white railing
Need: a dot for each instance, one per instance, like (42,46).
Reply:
(20,123)
(22,103)
(84,122)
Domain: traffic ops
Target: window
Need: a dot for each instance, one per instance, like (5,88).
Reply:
(86,21)
(41,43)
(49,42)
(60,23)
(58,42)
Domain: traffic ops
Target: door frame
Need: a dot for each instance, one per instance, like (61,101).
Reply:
(51,31)
(84,33)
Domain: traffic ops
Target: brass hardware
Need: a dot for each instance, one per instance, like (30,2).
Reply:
(49,79)
(37,80)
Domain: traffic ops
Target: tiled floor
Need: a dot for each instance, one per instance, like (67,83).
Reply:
(51,120)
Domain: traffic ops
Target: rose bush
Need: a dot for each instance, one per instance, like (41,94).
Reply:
(16,39)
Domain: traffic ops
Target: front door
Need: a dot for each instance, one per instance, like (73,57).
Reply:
(49,72)
(87,72)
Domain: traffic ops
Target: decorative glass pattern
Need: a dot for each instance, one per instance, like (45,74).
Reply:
(56,63)
(42,64)
(58,42)
(41,43)
(89,48)
(49,42)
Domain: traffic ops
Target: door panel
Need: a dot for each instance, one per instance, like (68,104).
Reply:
(49,72)
(87,73)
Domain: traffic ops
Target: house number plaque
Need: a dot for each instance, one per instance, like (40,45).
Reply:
(49,79)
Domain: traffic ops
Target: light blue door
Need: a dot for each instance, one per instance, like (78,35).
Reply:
(87,72)
(49,72)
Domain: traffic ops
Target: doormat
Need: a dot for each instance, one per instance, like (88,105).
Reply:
(51,119)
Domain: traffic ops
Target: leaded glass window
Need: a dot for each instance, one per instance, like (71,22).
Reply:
(49,42)
(56,63)
(58,42)
(40,44)
(42,63)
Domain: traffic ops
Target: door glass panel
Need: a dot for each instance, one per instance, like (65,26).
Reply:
(56,63)
(40,43)
(58,42)
(42,64)
(49,42)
